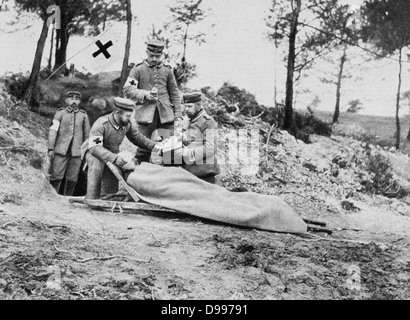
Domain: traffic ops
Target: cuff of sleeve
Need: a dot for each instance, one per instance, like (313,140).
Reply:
(188,154)
(112,158)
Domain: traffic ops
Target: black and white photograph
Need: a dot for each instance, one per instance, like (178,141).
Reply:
(204,154)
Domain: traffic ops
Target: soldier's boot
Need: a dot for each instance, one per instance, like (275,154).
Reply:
(94,177)
(69,188)
(56,184)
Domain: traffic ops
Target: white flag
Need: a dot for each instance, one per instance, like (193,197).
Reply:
(102,53)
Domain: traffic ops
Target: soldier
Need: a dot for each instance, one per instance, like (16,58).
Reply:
(152,85)
(106,136)
(70,129)
(199,140)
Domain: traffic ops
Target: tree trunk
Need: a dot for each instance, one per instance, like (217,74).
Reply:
(408,136)
(185,42)
(51,49)
(28,95)
(62,43)
(1,5)
(288,121)
(124,72)
(339,85)
(398,102)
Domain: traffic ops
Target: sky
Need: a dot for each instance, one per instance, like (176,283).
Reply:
(236,50)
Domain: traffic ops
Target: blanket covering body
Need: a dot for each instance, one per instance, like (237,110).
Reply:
(176,189)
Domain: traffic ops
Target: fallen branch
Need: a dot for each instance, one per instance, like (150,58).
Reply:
(257,117)
(274,126)
(66,252)
(317,238)
(4,226)
(113,257)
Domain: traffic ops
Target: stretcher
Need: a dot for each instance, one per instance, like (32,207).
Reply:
(138,206)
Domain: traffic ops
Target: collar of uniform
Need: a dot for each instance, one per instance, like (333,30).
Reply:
(114,123)
(199,115)
(69,109)
(150,66)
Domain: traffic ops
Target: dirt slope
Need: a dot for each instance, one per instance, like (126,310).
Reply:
(50,249)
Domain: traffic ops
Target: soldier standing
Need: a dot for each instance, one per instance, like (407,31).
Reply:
(199,140)
(152,85)
(106,137)
(70,129)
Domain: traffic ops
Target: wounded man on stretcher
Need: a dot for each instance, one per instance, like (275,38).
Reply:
(179,190)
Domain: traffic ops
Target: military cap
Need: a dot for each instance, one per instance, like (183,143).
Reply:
(193,97)
(155,47)
(71,94)
(124,104)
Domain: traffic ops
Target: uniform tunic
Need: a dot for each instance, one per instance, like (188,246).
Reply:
(106,137)
(69,130)
(201,140)
(143,78)
(154,115)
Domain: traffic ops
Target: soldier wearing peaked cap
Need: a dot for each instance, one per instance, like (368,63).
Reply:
(106,136)
(152,85)
(71,127)
(199,140)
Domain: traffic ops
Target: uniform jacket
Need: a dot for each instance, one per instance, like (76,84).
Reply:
(143,78)
(106,136)
(201,140)
(69,130)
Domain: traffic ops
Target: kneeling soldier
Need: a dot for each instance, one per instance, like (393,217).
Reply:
(106,137)
(70,129)
(199,140)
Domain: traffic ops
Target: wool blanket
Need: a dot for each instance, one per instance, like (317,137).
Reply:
(175,188)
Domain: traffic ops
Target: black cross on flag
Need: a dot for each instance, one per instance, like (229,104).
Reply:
(103,54)
(103,49)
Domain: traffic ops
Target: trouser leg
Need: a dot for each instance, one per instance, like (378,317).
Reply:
(58,168)
(109,182)
(72,172)
(56,184)
(143,155)
(152,131)
(94,176)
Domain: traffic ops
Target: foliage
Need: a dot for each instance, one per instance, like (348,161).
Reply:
(177,33)
(387,27)
(307,124)
(245,101)
(184,72)
(16,84)
(382,181)
(354,106)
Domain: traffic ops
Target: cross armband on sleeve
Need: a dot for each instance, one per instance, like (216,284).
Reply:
(95,141)
(131,82)
(56,125)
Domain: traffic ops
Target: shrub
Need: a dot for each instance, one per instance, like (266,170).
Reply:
(382,181)
(246,101)
(16,84)
(307,124)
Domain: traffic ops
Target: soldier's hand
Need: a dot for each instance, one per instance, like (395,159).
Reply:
(51,154)
(158,149)
(120,161)
(178,123)
(150,97)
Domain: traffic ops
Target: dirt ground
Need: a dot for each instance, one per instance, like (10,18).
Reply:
(50,249)
(101,255)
